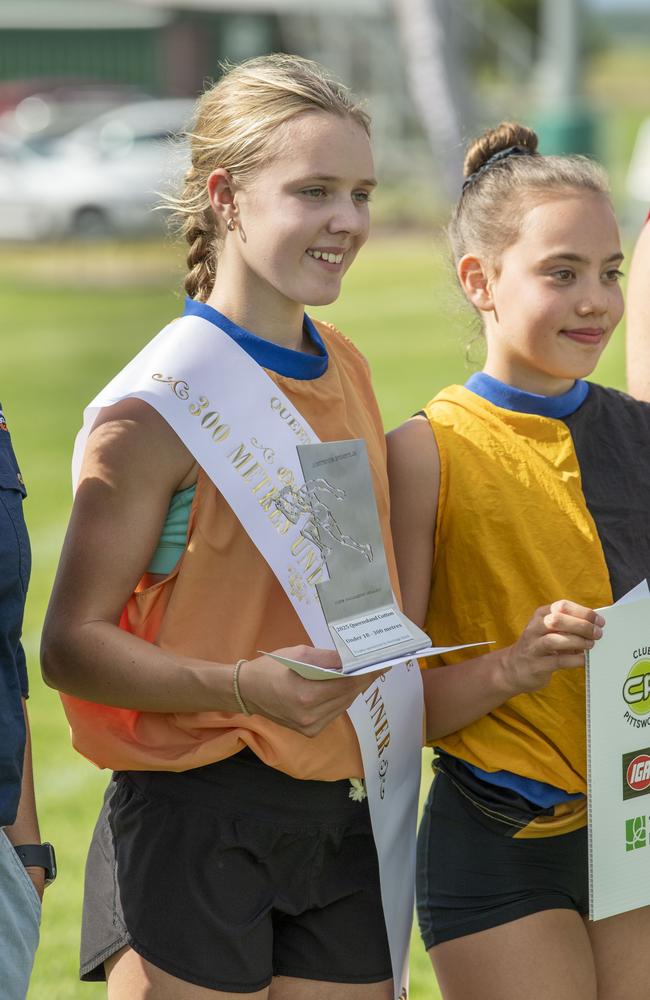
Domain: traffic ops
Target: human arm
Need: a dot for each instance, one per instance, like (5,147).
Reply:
(555,637)
(414,477)
(25,828)
(638,319)
(134,462)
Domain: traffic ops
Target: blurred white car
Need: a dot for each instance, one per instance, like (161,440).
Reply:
(103,178)
(41,117)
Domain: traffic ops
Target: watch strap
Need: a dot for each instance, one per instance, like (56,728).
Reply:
(38,856)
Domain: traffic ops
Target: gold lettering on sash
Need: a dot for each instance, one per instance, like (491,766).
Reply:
(266,502)
(255,475)
(308,559)
(374,698)
(291,420)
(264,481)
(212,421)
(381,714)
(279,522)
(377,709)
(379,729)
(197,408)
(241,456)
(254,469)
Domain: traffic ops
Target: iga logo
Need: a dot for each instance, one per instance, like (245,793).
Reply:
(636,773)
(636,833)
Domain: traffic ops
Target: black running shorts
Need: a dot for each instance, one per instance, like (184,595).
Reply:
(227,875)
(472,873)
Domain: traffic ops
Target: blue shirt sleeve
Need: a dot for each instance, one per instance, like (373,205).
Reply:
(15,563)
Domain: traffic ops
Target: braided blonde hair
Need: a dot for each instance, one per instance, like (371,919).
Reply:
(233,127)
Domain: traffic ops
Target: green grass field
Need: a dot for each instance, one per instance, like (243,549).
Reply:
(72,316)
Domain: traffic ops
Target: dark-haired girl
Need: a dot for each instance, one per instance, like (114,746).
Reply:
(513,520)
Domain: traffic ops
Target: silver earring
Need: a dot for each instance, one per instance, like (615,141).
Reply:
(231,225)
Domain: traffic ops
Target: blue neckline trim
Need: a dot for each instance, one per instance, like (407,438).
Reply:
(281,360)
(510,398)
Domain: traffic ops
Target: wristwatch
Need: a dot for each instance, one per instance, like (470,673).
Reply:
(38,856)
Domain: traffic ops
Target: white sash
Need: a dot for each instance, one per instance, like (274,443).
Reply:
(243,431)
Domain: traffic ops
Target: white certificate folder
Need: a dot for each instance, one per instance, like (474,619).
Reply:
(618,758)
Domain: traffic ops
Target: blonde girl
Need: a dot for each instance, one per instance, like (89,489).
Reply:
(229,858)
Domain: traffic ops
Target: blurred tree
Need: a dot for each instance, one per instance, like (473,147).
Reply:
(526,11)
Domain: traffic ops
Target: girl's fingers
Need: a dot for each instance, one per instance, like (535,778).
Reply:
(557,621)
(577,611)
(567,661)
(556,642)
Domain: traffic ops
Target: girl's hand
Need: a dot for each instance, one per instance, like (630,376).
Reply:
(555,638)
(273,690)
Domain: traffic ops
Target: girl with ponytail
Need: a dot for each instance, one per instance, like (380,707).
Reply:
(229,857)
(513,518)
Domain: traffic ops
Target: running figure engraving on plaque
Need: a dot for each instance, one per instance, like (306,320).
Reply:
(294,502)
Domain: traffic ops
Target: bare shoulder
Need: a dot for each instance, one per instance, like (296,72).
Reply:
(132,438)
(133,463)
(413,453)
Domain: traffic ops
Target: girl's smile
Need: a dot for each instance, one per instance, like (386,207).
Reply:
(585,335)
(552,301)
(332,257)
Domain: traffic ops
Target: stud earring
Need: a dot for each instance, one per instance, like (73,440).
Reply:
(231,225)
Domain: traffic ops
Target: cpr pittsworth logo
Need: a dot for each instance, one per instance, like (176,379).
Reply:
(636,691)
(636,773)
(636,833)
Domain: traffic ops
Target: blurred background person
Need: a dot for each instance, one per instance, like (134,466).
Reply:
(25,864)
(638,318)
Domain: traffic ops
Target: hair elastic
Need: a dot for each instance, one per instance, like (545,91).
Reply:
(502,154)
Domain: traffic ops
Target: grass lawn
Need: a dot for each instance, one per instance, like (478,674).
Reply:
(72,317)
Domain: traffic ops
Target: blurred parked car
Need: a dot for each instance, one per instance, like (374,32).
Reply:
(102,178)
(44,111)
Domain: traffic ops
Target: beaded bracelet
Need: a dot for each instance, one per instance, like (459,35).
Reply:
(235,686)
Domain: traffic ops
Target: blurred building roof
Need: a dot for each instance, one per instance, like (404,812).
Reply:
(80,14)
(351,7)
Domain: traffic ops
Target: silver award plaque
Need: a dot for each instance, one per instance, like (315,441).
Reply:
(335,510)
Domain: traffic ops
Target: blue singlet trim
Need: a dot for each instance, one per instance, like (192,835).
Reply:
(537,792)
(281,360)
(510,398)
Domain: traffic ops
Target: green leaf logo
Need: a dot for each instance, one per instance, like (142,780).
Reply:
(636,834)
